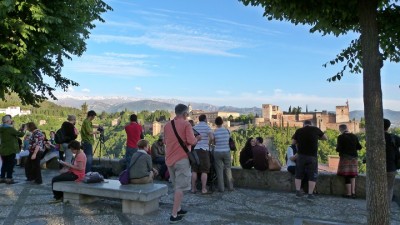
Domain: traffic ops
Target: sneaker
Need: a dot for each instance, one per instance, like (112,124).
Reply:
(10,181)
(54,201)
(2,180)
(311,196)
(353,196)
(299,194)
(176,219)
(182,212)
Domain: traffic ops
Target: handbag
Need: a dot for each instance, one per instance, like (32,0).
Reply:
(232,145)
(124,176)
(273,164)
(93,177)
(192,155)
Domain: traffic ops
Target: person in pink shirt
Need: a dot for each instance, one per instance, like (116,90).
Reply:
(177,159)
(75,171)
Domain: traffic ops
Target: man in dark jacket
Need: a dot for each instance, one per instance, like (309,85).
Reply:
(392,155)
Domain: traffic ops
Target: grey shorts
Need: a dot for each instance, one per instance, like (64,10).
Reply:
(180,175)
(307,165)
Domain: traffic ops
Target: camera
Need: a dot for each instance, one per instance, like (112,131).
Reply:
(100,129)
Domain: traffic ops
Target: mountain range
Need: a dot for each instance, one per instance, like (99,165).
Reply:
(117,104)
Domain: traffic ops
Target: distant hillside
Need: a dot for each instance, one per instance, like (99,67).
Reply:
(254,110)
(141,105)
(46,107)
(114,104)
(393,116)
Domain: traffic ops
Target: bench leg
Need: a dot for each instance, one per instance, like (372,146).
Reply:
(78,199)
(139,208)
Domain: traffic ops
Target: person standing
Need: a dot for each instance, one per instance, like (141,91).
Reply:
(133,135)
(177,159)
(71,133)
(202,149)
(8,148)
(392,155)
(87,135)
(260,154)
(33,171)
(347,146)
(76,170)
(222,156)
(307,160)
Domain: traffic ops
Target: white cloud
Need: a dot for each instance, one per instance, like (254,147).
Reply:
(85,90)
(178,39)
(110,65)
(138,88)
(223,92)
(70,89)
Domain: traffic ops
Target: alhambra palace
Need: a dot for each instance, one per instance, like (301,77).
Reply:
(273,116)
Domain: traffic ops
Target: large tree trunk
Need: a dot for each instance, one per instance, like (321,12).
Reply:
(377,202)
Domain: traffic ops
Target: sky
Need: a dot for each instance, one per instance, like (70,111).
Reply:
(217,52)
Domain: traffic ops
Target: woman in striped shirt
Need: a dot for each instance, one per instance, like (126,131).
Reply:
(222,156)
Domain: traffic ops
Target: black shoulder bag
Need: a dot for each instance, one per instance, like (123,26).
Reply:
(193,157)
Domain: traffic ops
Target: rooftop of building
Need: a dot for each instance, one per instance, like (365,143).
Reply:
(24,203)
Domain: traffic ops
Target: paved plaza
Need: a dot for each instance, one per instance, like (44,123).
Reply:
(25,203)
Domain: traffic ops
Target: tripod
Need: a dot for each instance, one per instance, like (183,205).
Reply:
(100,144)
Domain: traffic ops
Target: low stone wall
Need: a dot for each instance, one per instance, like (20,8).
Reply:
(327,183)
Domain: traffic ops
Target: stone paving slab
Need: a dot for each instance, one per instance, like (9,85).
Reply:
(24,203)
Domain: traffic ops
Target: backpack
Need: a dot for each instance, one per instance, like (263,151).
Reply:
(93,177)
(60,137)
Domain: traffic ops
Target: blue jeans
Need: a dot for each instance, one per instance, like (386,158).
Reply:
(88,150)
(128,155)
(67,152)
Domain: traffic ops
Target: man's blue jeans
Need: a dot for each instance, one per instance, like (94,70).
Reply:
(128,155)
(88,150)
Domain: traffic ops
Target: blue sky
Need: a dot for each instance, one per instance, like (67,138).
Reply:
(218,52)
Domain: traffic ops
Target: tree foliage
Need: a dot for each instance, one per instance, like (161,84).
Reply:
(377,23)
(36,37)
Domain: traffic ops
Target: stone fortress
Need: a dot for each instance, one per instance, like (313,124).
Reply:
(273,116)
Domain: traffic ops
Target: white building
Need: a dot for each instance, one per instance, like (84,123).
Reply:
(15,111)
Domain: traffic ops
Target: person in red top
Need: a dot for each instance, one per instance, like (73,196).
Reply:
(133,135)
(75,170)
(177,159)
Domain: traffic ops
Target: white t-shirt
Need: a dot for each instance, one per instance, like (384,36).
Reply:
(289,153)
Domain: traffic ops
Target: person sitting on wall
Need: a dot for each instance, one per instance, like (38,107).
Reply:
(158,155)
(141,167)
(260,154)
(291,155)
(74,171)
(246,155)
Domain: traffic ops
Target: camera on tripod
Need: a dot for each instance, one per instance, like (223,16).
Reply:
(100,129)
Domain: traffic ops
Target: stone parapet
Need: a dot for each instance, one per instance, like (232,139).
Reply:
(327,183)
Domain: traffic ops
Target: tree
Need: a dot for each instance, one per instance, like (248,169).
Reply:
(36,36)
(377,23)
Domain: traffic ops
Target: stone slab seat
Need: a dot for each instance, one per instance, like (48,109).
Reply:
(137,199)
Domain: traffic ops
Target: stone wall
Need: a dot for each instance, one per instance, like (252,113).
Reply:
(327,184)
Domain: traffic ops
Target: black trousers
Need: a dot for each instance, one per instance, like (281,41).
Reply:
(8,166)
(33,171)
(68,176)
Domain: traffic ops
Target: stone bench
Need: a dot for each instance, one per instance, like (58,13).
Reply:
(137,199)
